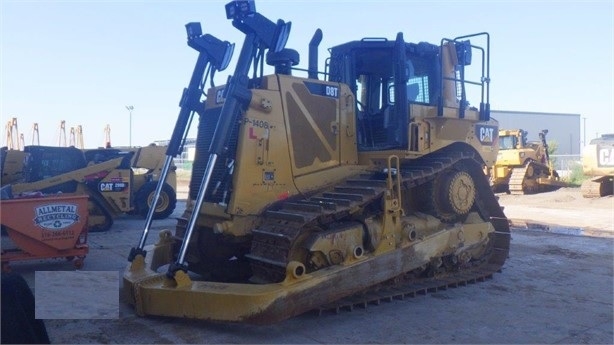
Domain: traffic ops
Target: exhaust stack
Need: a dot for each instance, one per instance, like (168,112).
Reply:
(313,54)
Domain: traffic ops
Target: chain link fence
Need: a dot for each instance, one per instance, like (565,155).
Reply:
(566,164)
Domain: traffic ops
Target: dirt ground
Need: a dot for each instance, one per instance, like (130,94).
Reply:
(563,211)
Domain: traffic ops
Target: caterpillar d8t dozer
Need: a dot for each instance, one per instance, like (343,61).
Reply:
(524,167)
(598,167)
(366,183)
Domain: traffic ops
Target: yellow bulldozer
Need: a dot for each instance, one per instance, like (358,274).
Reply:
(311,193)
(598,166)
(523,167)
(117,181)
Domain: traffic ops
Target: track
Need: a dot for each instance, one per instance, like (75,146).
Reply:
(99,218)
(533,178)
(277,241)
(399,292)
(597,187)
(522,180)
(274,239)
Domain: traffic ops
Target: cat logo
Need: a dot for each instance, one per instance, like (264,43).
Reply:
(487,135)
(605,156)
(112,186)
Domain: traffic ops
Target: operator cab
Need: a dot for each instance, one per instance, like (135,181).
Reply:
(387,77)
(513,141)
(508,142)
(43,162)
(381,73)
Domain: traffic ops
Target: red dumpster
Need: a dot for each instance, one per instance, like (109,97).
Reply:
(45,227)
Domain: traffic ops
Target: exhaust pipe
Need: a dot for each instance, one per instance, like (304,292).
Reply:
(312,71)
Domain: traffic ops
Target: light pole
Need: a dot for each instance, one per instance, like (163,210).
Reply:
(130,109)
(584,140)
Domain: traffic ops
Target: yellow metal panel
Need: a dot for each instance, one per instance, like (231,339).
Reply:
(262,168)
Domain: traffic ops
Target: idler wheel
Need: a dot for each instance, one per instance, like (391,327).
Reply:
(460,192)
(530,170)
(452,196)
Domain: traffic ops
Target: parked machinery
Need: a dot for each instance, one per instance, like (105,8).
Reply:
(523,167)
(146,165)
(116,181)
(598,166)
(305,191)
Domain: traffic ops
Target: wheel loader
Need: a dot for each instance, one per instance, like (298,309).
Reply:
(344,187)
(116,181)
(598,166)
(146,165)
(523,167)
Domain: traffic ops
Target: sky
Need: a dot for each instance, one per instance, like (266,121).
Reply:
(83,62)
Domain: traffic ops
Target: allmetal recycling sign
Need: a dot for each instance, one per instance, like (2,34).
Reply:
(56,216)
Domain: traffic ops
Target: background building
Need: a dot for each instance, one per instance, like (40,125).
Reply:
(563,129)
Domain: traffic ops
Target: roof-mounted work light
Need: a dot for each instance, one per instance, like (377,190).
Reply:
(240,8)
(193,30)
(245,18)
(219,52)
